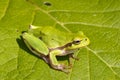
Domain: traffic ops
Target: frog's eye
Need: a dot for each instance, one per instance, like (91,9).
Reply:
(76,42)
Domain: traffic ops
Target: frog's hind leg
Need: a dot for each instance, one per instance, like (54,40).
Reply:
(53,60)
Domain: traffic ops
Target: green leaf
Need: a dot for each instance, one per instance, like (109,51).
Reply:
(98,19)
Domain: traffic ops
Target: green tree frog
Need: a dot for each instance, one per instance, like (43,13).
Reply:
(48,42)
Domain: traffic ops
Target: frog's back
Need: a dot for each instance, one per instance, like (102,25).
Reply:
(53,37)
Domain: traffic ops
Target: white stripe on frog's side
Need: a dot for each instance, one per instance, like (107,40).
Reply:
(66,52)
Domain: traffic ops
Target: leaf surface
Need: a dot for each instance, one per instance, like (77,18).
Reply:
(98,19)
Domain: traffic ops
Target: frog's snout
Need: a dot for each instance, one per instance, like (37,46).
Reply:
(87,41)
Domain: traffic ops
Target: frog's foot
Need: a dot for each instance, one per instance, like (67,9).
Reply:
(62,67)
(70,65)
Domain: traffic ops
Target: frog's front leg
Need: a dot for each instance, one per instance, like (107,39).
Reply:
(71,57)
(53,60)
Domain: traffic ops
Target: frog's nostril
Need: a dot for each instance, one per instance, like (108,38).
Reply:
(85,39)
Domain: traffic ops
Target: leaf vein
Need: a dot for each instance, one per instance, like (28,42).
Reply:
(5,10)
(102,60)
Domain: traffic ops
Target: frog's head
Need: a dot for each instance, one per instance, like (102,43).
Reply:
(79,40)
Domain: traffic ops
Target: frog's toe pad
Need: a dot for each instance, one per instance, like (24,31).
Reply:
(61,67)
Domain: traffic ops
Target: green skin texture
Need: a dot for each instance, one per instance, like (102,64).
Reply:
(48,42)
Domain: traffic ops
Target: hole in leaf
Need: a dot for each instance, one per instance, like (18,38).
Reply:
(47,3)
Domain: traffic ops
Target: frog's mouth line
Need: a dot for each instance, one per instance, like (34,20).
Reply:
(64,46)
